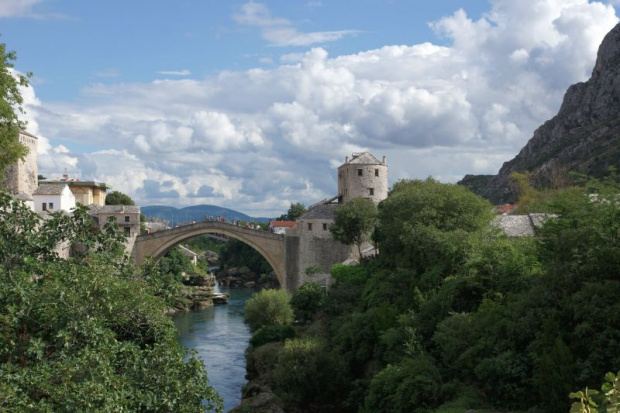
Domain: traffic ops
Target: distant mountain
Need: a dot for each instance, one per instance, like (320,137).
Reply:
(196,213)
(583,137)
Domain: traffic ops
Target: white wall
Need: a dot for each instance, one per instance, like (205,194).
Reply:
(65,201)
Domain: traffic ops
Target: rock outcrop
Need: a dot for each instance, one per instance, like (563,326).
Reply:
(584,136)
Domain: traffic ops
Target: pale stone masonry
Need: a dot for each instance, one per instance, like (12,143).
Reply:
(21,177)
(362,176)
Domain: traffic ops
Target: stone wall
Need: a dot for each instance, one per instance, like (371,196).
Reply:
(362,181)
(22,176)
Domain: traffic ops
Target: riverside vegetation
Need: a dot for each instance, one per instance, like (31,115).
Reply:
(87,333)
(453,315)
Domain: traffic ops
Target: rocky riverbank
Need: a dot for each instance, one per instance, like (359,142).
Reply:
(197,293)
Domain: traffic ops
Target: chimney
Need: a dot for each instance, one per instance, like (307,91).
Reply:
(346,159)
(384,160)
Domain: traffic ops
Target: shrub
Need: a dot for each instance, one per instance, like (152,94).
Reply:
(408,387)
(268,334)
(308,300)
(268,308)
(307,373)
(353,274)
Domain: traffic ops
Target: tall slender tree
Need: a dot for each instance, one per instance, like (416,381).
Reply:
(11,102)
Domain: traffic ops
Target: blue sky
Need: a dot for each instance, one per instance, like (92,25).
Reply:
(252,105)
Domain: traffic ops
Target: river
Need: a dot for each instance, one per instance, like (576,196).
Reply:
(220,337)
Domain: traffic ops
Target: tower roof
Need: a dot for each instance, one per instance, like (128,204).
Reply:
(364,158)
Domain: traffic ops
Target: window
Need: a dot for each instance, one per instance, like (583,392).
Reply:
(371,191)
(360,172)
(376,172)
(324,227)
(126,218)
(51,205)
(44,208)
(127,230)
(309,226)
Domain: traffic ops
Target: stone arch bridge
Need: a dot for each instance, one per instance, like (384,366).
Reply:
(280,253)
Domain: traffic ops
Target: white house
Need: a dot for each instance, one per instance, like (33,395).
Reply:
(53,197)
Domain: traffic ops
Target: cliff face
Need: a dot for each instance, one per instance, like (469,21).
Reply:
(584,136)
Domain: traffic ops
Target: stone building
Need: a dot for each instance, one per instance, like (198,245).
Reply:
(362,176)
(85,192)
(21,177)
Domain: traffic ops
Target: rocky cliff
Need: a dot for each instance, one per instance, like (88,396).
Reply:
(584,136)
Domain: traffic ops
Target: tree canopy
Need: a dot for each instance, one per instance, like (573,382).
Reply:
(354,222)
(85,333)
(118,198)
(10,109)
(296,210)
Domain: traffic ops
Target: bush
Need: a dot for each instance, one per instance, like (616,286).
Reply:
(307,373)
(408,387)
(268,334)
(268,308)
(308,300)
(352,274)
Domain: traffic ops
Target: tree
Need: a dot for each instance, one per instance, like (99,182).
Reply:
(10,106)
(354,222)
(295,211)
(425,224)
(118,198)
(85,334)
(308,300)
(268,308)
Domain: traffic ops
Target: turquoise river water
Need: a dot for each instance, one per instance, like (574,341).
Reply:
(220,337)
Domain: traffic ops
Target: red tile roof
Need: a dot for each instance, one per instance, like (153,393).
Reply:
(283,224)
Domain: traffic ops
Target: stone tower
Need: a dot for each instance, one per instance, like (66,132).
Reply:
(21,177)
(362,176)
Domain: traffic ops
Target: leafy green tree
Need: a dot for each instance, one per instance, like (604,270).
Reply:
(426,224)
(10,107)
(408,387)
(296,210)
(308,374)
(85,334)
(308,300)
(268,308)
(118,198)
(354,222)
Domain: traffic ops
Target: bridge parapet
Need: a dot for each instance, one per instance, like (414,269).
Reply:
(213,224)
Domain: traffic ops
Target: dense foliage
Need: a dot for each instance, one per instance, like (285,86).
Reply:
(118,198)
(354,222)
(238,253)
(85,333)
(268,308)
(453,315)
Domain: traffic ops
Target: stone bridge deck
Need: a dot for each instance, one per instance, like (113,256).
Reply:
(269,245)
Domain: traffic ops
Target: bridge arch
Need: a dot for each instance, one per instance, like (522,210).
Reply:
(270,246)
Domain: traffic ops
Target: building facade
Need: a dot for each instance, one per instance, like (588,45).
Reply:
(52,198)
(85,192)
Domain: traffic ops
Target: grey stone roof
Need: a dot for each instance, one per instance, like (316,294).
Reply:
(50,189)
(114,209)
(364,158)
(321,211)
(514,225)
(521,225)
